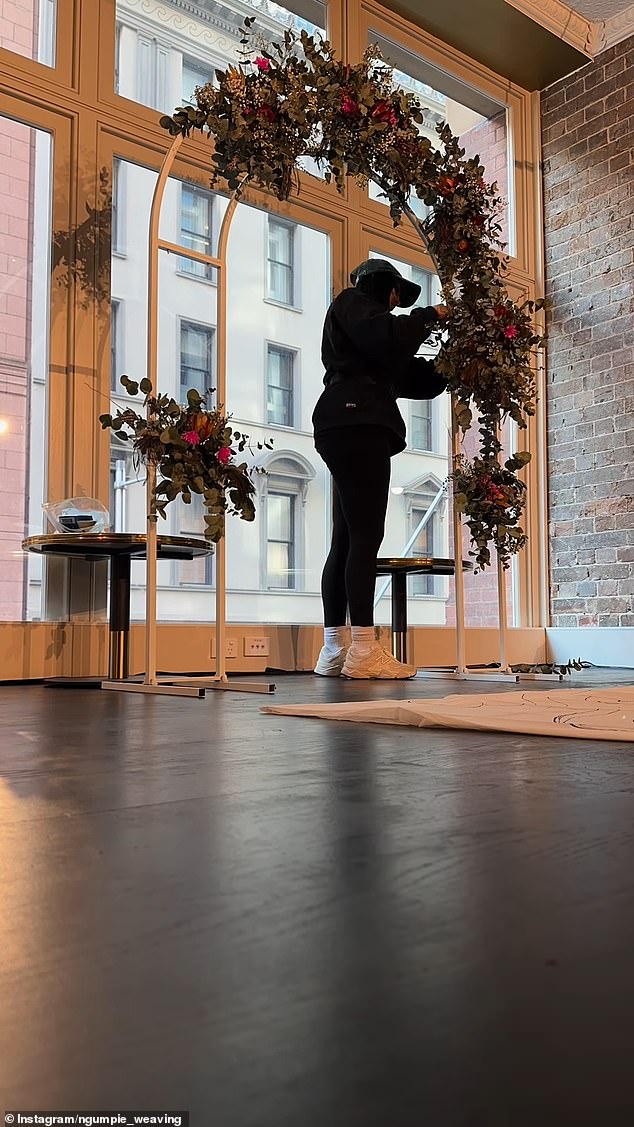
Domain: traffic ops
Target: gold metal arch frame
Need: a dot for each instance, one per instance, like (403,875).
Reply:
(152,683)
(195,686)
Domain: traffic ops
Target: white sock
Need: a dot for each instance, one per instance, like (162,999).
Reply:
(363,640)
(335,638)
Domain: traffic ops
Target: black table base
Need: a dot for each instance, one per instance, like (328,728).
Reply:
(398,569)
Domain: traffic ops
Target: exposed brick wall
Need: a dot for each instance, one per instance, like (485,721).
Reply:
(588,132)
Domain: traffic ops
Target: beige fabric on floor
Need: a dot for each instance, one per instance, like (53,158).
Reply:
(592,714)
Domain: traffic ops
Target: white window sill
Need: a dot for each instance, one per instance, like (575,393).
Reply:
(431,598)
(196,277)
(282,427)
(426,453)
(282,305)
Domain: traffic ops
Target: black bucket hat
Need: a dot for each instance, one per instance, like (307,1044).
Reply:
(409,291)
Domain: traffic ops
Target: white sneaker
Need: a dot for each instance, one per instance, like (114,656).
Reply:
(330,662)
(377,665)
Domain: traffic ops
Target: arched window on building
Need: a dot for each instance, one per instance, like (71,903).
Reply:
(283,494)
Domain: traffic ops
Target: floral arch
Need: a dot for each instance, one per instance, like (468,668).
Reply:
(294,99)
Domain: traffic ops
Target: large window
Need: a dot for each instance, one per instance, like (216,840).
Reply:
(280,379)
(196,358)
(60,362)
(281,262)
(196,228)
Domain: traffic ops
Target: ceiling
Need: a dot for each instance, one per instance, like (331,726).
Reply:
(528,41)
(601,9)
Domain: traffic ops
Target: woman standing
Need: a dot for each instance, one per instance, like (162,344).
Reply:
(370,361)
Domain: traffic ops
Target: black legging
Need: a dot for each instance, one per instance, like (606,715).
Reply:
(359,461)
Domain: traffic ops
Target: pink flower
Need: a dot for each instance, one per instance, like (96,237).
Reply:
(510,332)
(224,455)
(262,64)
(350,107)
(192,437)
(383,111)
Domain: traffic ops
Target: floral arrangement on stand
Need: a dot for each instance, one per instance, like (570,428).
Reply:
(194,450)
(292,99)
(492,497)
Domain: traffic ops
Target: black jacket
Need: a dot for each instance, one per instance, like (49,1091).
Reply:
(370,361)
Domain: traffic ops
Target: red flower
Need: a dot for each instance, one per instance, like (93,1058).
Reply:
(192,437)
(496,495)
(447,185)
(383,111)
(262,63)
(266,112)
(350,107)
(499,310)
(224,455)
(510,332)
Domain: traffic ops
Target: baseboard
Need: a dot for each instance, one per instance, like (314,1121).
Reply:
(437,645)
(605,646)
(33,650)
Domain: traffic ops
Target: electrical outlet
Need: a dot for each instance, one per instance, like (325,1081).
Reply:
(256,647)
(231,647)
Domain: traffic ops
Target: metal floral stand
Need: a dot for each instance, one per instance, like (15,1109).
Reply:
(461,672)
(183,686)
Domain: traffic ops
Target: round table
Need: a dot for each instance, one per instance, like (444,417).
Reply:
(119,548)
(399,568)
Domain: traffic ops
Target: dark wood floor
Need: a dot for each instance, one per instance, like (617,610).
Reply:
(280,922)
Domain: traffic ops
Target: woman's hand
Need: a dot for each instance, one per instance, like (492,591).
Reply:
(440,311)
